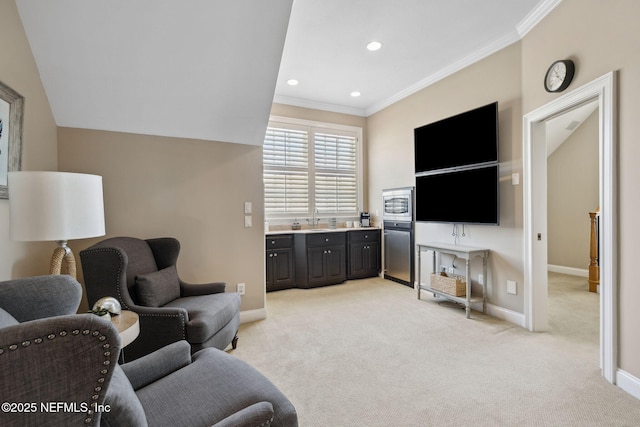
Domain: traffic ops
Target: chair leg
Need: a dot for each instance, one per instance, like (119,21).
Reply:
(234,341)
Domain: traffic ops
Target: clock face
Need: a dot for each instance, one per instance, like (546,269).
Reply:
(556,75)
(559,75)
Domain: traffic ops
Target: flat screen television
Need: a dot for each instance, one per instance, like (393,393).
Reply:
(464,196)
(464,139)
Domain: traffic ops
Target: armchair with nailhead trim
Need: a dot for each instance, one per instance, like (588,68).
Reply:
(142,275)
(58,368)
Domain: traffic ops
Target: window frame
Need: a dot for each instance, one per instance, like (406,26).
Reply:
(328,128)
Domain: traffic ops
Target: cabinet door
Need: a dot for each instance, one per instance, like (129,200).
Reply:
(373,259)
(316,265)
(282,267)
(357,259)
(335,263)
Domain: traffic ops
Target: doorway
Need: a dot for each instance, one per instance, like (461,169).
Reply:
(600,90)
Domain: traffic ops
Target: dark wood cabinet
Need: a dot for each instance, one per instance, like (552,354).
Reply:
(320,259)
(364,254)
(280,262)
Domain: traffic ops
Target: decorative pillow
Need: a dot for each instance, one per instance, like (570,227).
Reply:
(158,288)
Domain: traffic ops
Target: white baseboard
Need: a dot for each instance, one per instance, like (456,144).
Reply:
(253,315)
(506,314)
(628,383)
(582,272)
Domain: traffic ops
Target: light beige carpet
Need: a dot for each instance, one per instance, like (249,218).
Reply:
(369,353)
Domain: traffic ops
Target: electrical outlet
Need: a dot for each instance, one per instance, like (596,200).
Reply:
(481,279)
(512,287)
(240,288)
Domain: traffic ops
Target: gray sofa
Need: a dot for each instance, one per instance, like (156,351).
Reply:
(142,275)
(58,368)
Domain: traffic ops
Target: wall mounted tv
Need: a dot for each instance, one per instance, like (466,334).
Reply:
(461,196)
(464,139)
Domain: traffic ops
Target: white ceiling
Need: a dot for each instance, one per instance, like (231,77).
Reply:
(203,69)
(210,69)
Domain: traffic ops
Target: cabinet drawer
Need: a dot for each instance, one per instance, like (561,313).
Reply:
(364,236)
(325,239)
(279,242)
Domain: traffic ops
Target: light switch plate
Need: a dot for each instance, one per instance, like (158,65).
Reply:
(512,287)
(247,221)
(247,207)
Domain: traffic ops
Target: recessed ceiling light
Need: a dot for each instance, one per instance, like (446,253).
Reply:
(374,45)
(355,94)
(292,82)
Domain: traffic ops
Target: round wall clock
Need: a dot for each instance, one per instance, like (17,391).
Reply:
(559,75)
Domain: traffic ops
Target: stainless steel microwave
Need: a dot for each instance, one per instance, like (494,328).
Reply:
(398,204)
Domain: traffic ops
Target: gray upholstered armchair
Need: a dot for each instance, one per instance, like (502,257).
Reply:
(58,368)
(142,275)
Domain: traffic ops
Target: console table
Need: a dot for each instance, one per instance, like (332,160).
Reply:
(464,252)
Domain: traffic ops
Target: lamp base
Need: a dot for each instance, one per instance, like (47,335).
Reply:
(63,257)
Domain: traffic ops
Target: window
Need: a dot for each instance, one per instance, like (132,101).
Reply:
(311,168)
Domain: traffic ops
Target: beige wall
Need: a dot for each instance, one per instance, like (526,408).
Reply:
(572,192)
(189,189)
(390,131)
(601,37)
(18,71)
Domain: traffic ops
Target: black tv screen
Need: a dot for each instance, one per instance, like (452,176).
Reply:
(466,196)
(464,139)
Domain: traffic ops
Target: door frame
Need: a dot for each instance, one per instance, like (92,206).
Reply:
(535,212)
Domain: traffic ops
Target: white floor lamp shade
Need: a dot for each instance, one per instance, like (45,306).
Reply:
(57,206)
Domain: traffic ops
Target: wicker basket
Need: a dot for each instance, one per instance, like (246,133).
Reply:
(455,285)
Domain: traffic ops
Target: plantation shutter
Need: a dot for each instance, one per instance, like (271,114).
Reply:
(335,168)
(286,174)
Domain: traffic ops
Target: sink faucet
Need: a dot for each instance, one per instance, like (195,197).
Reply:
(314,221)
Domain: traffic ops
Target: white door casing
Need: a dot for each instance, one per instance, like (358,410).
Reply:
(535,212)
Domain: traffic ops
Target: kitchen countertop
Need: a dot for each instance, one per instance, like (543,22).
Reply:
(318,230)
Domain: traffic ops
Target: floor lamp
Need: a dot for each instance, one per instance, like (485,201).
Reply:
(56,206)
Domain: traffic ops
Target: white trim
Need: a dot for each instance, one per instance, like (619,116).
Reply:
(248,316)
(506,314)
(324,106)
(541,10)
(581,272)
(628,383)
(535,291)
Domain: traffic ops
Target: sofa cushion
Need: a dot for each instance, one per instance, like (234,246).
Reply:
(6,319)
(158,288)
(207,313)
(125,408)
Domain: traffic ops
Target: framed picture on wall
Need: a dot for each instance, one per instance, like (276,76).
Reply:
(11,115)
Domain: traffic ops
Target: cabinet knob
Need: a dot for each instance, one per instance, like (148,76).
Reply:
(366,236)
(329,251)
(273,242)
(326,240)
(270,255)
(275,254)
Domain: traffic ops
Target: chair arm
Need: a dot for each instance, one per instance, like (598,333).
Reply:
(160,363)
(68,359)
(41,296)
(258,414)
(190,289)
(159,326)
